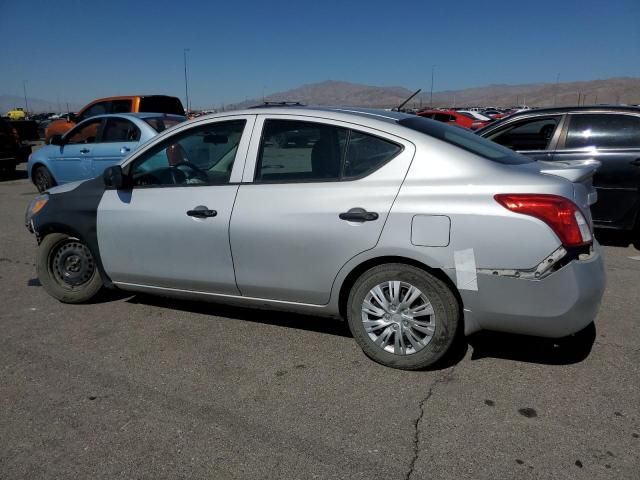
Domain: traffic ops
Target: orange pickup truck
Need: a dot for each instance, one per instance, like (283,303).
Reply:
(128,104)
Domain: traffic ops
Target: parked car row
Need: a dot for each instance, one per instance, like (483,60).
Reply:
(466,119)
(608,136)
(93,145)
(122,104)
(385,219)
(14,147)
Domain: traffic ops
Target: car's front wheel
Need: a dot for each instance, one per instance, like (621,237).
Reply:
(402,316)
(67,270)
(42,179)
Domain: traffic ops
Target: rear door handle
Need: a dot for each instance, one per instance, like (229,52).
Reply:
(202,212)
(125,150)
(358,215)
(85,150)
(635,163)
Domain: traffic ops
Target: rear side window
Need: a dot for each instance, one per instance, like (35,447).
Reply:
(603,131)
(366,153)
(161,124)
(120,130)
(161,104)
(466,140)
(121,106)
(532,134)
(295,151)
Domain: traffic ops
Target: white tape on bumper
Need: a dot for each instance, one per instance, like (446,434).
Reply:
(466,275)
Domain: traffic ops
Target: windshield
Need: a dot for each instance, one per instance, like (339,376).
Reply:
(465,140)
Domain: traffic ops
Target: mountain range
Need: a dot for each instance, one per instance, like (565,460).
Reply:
(331,92)
(613,90)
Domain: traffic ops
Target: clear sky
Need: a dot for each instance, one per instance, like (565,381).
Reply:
(80,50)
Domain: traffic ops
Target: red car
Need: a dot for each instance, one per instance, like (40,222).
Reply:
(453,118)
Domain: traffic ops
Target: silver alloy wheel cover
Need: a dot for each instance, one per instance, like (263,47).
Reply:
(398,317)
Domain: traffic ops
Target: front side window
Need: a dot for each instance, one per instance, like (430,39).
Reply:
(120,130)
(603,131)
(199,156)
(85,133)
(297,151)
(532,134)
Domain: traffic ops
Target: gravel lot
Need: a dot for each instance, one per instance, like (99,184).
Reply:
(144,387)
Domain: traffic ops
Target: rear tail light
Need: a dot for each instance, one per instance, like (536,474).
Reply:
(14,132)
(561,214)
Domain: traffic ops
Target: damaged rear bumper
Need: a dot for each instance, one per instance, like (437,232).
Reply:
(560,304)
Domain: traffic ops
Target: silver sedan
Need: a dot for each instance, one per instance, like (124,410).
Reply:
(409,229)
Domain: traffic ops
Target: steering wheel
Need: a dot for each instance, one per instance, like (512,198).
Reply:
(199,173)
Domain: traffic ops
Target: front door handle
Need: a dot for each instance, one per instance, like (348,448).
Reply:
(635,163)
(358,215)
(125,150)
(202,212)
(85,150)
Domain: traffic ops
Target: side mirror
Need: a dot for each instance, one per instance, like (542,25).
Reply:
(56,140)
(113,177)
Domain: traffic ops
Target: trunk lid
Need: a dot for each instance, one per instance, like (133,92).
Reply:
(580,173)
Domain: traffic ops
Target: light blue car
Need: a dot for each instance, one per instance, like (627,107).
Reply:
(93,145)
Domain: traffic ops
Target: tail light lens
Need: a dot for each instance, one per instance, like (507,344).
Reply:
(562,215)
(14,132)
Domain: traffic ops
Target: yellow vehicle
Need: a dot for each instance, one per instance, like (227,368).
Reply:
(17,114)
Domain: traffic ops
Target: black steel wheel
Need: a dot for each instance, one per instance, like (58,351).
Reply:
(67,269)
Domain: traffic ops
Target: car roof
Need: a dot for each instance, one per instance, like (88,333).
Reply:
(320,111)
(139,115)
(582,108)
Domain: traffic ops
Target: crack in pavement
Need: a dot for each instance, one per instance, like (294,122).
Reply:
(418,421)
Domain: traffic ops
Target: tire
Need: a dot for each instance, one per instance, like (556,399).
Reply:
(67,270)
(414,349)
(42,179)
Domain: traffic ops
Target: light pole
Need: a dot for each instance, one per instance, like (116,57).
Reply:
(26,104)
(186,81)
(433,67)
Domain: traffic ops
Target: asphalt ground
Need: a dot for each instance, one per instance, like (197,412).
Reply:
(145,387)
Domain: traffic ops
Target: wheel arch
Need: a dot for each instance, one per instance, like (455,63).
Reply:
(365,265)
(40,164)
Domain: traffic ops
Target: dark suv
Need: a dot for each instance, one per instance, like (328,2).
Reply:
(608,134)
(9,147)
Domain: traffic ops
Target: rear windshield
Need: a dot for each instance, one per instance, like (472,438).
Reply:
(160,124)
(465,140)
(161,104)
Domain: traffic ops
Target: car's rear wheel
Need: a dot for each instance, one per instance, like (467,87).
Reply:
(402,316)
(67,270)
(42,179)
